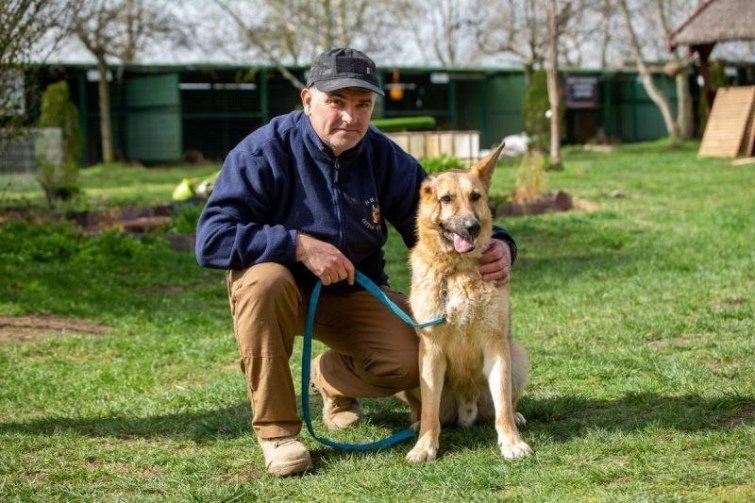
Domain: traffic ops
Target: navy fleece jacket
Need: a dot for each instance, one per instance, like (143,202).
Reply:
(282,180)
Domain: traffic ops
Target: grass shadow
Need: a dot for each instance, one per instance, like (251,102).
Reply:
(565,417)
(559,418)
(200,426)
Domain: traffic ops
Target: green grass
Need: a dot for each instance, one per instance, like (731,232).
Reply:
(104,185)
(637,314)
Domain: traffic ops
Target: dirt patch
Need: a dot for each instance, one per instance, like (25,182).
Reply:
(745,417)
(35,327)
(131,219)
(136,221)
(553,202)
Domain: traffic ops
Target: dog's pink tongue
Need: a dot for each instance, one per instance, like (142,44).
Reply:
(462,245)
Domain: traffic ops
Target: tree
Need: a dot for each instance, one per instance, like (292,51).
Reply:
(519,28)
(647,77)
(678,68)
(23,24)
(448,29)
(647,32)
(554,91)
(293,32)
(118,29)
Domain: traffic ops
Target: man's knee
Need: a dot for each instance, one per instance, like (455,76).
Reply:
(399,371)
(265,303)
(264,283)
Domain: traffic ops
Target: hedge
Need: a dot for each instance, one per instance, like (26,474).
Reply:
(395,124)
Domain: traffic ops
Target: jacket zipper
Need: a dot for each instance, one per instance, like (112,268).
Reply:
(336,205)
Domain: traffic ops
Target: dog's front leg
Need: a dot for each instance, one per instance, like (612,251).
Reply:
(497,368)
(432,368)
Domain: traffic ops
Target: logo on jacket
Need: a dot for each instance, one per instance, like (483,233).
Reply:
(372,223)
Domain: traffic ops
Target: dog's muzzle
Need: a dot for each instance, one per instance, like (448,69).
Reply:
(462,233)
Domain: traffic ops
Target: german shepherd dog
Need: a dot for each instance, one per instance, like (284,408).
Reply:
(469,365)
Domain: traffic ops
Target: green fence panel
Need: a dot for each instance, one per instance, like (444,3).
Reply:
(504,107)
(638,117)
(469,101)
(153,123)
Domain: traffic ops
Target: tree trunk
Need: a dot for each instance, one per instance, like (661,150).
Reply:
(684,118)
(553,91)
(104,95)
(647,80)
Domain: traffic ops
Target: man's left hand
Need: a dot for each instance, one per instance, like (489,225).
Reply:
(495,262)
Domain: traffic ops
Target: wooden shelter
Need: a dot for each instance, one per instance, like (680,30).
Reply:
(731,126)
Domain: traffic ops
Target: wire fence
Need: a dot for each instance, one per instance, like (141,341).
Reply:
(22,152)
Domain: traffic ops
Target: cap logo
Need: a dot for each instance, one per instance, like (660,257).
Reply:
(368,70)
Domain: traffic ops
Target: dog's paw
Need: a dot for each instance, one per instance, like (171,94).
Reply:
(520,420)
(514,449)
(421,454)
(415,426)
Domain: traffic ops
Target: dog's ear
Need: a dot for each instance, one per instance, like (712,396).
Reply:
(484,168)
(426,189)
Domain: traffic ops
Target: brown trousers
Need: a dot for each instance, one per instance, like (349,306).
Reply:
(372,352)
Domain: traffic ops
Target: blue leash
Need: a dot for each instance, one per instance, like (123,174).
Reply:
(306,358)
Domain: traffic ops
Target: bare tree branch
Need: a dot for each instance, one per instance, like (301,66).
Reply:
(23,25)
(647,78)
(120,30)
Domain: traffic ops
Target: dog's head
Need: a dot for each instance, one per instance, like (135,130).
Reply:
(453,209)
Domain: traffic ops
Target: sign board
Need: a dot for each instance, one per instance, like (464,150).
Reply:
(581,92)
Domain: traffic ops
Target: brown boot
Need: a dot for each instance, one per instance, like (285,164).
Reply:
(285,456)
(338,413)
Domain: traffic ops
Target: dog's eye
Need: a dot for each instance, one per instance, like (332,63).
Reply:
(445,199)
(475,196)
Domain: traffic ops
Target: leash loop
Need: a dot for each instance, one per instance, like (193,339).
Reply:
(306,360)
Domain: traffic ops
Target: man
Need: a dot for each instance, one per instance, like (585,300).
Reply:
(307,197)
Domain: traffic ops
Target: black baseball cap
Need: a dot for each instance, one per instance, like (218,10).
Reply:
(341,68)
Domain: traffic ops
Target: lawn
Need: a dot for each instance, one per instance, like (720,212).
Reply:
(637,311)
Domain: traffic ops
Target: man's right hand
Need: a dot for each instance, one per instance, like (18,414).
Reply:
(324,260)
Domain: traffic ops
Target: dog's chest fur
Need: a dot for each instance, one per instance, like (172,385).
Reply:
(476,312)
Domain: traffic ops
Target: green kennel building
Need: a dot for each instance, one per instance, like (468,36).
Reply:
(168,114)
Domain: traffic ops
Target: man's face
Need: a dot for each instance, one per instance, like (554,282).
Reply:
(340,118)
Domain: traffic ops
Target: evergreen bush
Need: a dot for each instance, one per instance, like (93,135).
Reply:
(59,179)
(58,110)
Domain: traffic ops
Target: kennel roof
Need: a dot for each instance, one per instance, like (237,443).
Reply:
(717,21)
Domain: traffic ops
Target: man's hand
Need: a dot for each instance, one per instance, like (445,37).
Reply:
(324,260)
(495,262)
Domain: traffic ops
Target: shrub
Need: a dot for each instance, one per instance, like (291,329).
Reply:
(58,111)
(59,181)
(395,124)
(59,178)
(185,217)
(530,178)
(534,107)
(440,163)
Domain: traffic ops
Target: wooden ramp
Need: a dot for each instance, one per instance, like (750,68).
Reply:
(731,127)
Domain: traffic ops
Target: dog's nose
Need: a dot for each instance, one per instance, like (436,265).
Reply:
(473,226)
